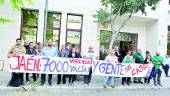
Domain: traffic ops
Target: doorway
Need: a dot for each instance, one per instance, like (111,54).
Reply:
(124,42)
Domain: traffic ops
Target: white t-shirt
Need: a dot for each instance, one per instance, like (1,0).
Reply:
(90,55)
(110,58)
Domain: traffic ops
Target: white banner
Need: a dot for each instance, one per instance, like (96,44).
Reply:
(56,65)
(121,69)
(49,65)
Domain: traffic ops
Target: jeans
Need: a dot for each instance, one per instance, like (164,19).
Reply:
(147,80)
(166,69)
(87,78)
(33,75)
(157,77)
(72,78)
(137,79)
(59,77)
(126,80)
(108,80)
(17,79)
(43,79)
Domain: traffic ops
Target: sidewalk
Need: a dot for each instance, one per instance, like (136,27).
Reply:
(97,83)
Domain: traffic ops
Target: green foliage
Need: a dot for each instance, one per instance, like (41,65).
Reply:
(105,37)
(16,5)
(122,7)
(30,17)
(111,9)
(4,20)
(102,17)
(2,2)
(49,34)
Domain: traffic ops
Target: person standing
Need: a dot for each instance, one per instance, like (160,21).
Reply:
(31,51)
(138,58)
(89,55)
(17,79)
(128,59)
(72,54)
(38,48)
(157,61)
(109,80)
(166,63)
(68,48)
(62,54)
(147,61)
(49,51)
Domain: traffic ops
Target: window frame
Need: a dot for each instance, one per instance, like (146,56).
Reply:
(56,28)
(74,30)
(22,26)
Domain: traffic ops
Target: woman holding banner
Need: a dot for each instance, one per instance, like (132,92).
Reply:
(72,54)
(109,80)
(127,59)
(62,53)
(147,61)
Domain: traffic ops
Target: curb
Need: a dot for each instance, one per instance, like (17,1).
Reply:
(42,88)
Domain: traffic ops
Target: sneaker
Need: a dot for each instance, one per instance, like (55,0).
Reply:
(50,84)
(155,84)
(123,83)
(36,83)
(160,85)
(112,86)
(105,86)
(72,85)
(89,84)
(41,84)
(85,85)
(27,82)
(69,84)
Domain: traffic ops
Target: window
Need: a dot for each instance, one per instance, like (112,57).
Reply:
(74,29)
(53,27)
(168,41)
(29,25)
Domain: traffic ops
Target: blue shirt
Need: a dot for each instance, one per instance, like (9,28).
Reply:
(49,51)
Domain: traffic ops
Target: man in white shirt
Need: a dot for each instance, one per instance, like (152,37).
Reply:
(90,54)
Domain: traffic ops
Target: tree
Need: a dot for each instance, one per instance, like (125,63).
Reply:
(111,9)
(16,5)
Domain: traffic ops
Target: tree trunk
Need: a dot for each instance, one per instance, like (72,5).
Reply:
(114,32)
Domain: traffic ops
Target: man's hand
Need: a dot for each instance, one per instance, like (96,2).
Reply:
(9,55)
(14,54)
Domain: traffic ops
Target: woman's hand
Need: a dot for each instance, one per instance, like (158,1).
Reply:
(9,55)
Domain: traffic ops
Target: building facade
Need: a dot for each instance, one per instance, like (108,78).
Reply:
(72,21)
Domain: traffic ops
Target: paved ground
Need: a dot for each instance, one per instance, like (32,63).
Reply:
(80,90)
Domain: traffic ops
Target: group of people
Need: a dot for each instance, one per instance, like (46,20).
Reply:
(160,64)
(68,51)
